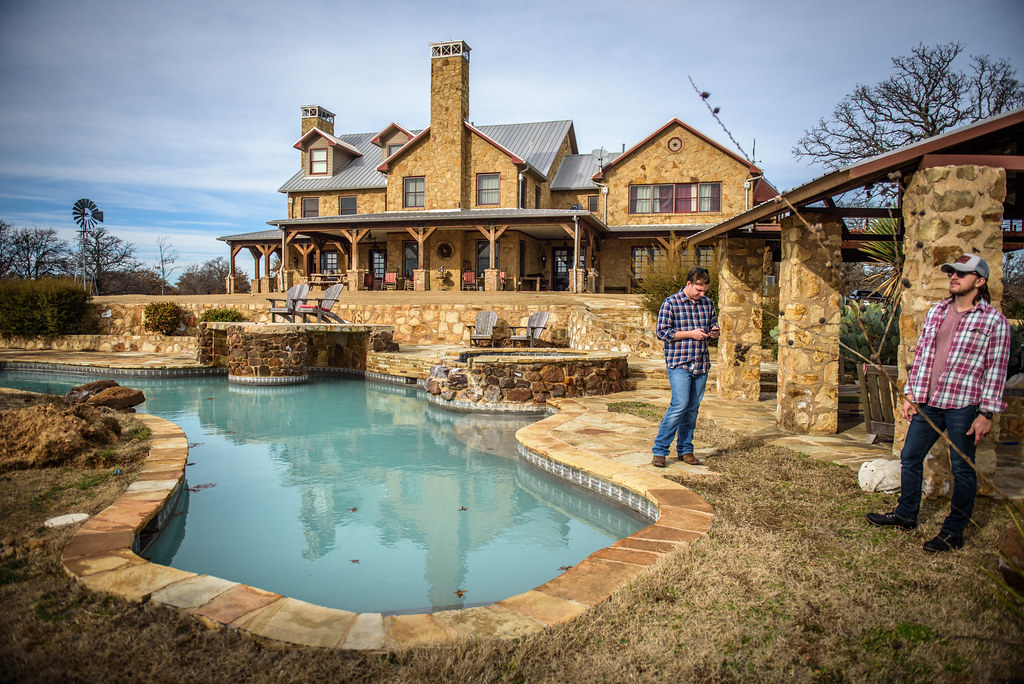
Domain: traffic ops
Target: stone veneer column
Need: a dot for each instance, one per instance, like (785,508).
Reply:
(492,277)
(419,279)
(809,313)
(740,279)
(947,210)
(356,278)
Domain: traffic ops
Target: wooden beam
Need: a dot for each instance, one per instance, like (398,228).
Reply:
(1008,162)
(853,212)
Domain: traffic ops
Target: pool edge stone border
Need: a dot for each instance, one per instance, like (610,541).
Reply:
(102,556)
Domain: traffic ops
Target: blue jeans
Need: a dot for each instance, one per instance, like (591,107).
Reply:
(920,438)
(681,417)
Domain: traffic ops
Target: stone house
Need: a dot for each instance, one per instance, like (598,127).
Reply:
(508,206)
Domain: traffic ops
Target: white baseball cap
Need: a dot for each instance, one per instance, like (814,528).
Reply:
(968,263)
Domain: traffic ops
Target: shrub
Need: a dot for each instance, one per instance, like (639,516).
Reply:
(666,277)
(164,317)
(883,337)
(43,308)
(222,315)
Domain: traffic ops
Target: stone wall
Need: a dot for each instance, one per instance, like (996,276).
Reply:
(148,343)
(258,355)
(947,211)
(521,380)
(810,298)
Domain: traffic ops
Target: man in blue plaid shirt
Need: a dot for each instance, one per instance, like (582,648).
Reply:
(686,321)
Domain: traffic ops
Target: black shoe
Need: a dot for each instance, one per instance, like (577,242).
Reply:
(943,542)
(891,520)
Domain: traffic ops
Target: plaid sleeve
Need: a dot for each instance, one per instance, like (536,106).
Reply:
(998,357)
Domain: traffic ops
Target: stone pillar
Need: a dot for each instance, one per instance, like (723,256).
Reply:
(809,313)
(577,280)
(492,279)
(355,278)
(740,279)
(419,279)
(948,210)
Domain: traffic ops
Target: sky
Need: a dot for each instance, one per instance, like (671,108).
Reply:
(178,119)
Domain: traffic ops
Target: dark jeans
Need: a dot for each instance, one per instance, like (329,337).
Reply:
(920,438)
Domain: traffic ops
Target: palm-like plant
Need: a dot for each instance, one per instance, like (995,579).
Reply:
(888,253)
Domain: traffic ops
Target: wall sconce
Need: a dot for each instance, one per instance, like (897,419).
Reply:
(295,261)
(543,258)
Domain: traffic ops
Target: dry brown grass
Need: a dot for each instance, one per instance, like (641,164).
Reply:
(791,584)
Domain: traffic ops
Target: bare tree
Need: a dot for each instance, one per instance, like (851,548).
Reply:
(39,253)
(106,256)
(208,278)
(6,249)
(923,97)
(168,255)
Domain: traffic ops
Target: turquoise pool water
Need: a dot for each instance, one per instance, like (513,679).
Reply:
(361,496)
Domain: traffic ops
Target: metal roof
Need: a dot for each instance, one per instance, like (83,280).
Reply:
(576,173)
(536,143)
(440,216)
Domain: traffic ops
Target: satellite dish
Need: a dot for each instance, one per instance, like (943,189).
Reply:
(86,214)
(601,154)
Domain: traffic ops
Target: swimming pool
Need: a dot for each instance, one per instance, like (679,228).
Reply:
(362,496)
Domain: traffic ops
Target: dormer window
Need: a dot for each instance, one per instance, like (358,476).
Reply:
(394,147)
(318,161)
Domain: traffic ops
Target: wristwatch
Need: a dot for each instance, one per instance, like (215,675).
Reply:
(987,414)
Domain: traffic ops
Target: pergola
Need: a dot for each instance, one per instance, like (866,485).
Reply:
(957,193)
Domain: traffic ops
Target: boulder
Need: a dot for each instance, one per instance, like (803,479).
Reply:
(1011,557)
(77,395)
(880,475)
(119,398)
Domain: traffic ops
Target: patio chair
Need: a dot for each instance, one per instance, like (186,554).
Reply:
(468,280)
(483,329)
(390,281)
(322,309)
(296,295)
(535,325)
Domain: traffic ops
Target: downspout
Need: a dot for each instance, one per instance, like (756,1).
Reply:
(575,254)
(747,184)
(604,191)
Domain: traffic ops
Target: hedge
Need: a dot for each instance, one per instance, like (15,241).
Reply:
(48,307)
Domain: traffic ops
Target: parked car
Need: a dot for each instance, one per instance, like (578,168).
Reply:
(866,296)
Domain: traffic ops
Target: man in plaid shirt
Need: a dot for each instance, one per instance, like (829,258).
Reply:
(956,384)
(686,321)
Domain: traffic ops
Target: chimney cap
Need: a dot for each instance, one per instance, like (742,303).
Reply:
(451,48)
(317,112)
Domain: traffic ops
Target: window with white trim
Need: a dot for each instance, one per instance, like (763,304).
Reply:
(318,161)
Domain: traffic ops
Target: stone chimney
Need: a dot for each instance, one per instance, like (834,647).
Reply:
(449,109)
(315,116)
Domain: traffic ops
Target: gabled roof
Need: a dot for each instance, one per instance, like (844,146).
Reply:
(387,129)
(331,140)
(360,173)
(676,122)
(405,148)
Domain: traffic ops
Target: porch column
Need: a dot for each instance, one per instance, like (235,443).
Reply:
(809,312)
(948,210)
(740,279)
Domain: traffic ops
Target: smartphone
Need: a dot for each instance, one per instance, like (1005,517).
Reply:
(711,325)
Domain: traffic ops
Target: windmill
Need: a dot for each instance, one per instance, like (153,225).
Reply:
(86,215)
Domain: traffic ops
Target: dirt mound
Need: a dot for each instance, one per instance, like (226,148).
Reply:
(54,434)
